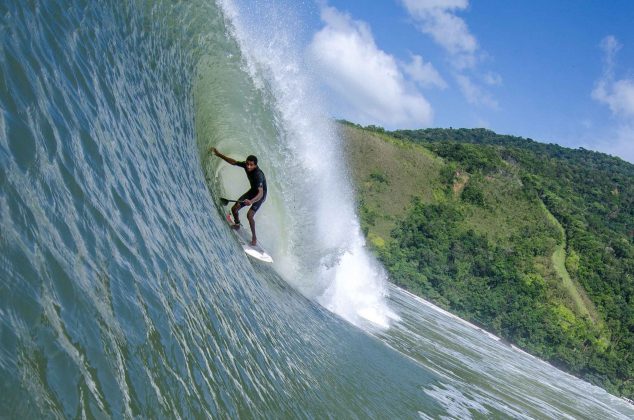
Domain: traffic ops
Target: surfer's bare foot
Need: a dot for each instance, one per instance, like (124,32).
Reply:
(254,242)
(235,226)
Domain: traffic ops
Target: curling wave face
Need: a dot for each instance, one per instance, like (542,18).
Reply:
(261,102)
(123,293)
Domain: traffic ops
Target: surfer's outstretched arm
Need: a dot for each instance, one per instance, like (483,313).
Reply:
(223,157)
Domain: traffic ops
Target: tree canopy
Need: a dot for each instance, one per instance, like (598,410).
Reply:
(532,241)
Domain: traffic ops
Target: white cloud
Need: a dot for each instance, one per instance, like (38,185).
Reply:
(438,20)
(618,95)
(366,77)
(425,74)
(474,94)
(610,46)
(493,79)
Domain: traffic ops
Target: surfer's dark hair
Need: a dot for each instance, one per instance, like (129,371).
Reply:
(252,158)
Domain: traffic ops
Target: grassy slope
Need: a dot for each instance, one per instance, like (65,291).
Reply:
(389,172)
(567,213)
(582,304)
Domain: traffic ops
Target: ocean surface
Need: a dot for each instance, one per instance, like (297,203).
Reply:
(124,294)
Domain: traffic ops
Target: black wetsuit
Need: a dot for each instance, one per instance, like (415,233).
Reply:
(256,180)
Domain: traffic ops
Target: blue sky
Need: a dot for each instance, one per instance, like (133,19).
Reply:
(559,71)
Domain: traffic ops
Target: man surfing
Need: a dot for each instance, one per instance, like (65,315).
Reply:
(256,194)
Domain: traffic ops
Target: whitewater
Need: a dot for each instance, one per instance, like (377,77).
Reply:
(124,294)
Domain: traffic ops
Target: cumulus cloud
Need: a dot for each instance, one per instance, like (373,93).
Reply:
(474,93)
(425,74)
(437,18)
(493,79)
(618,95)
(367,78)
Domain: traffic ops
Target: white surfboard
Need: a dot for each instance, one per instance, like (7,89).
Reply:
(255,251)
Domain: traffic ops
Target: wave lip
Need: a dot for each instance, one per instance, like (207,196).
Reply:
(310,195)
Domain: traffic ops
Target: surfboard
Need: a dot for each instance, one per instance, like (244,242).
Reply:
(255,251)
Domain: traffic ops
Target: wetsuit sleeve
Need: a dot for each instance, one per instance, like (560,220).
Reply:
(259,180)
(241,164)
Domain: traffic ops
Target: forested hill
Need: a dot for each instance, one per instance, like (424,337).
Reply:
(532,241)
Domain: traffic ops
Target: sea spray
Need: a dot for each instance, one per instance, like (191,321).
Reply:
(123,294)
(325,256)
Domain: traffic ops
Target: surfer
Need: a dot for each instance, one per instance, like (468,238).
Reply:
(256,194)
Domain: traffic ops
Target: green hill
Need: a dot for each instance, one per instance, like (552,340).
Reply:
(532,241)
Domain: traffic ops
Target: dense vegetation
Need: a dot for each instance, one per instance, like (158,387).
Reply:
(532,241)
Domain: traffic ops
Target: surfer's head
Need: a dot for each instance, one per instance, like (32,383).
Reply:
(252,162)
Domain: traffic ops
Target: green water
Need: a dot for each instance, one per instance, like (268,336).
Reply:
(122,292)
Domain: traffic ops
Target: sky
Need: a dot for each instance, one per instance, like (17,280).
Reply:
(558,71)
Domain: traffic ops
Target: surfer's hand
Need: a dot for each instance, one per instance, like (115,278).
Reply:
(214,151)
(247,202)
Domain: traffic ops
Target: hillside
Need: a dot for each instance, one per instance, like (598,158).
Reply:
(534,242)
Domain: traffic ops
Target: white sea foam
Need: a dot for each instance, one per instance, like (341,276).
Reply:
(324,253)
